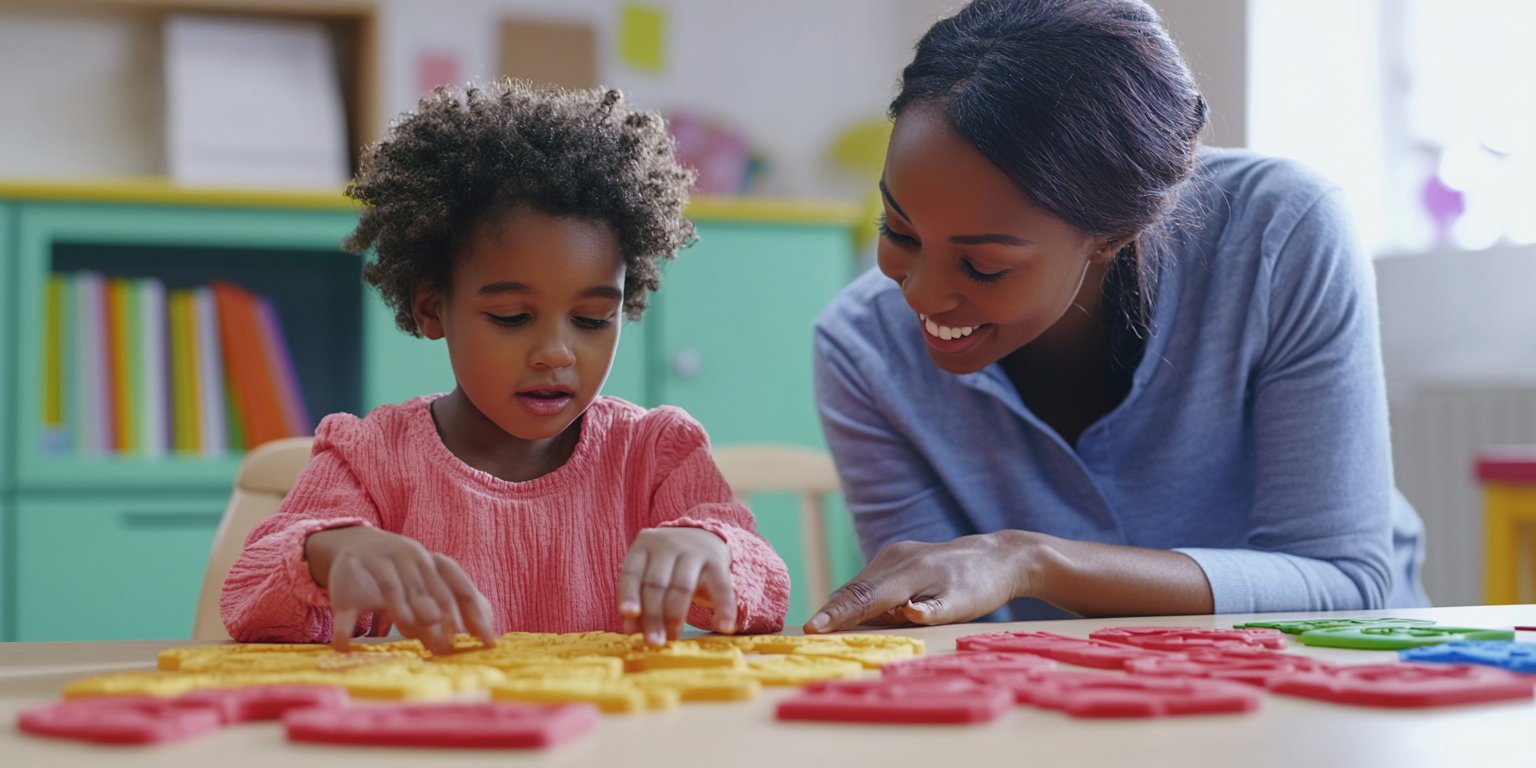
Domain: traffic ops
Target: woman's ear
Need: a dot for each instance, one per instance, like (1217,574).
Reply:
(427,307)
(1107,247)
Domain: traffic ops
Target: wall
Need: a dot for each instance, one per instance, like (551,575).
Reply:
(790,74)
(1213,35)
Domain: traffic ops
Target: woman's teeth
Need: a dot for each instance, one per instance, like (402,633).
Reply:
(946,332)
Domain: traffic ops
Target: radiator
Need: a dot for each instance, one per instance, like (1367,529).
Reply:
(1436,434)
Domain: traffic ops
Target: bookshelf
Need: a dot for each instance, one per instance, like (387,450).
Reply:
(262,250)
(114,547)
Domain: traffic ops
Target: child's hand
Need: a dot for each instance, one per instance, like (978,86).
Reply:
(425,594)
(668,568)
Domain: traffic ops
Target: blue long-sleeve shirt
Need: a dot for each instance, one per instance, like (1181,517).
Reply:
(1254,438)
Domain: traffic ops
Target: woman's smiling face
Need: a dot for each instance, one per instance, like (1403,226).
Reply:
(985,270)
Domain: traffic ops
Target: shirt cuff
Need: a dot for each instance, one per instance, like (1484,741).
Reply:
(762,592)
(295,571)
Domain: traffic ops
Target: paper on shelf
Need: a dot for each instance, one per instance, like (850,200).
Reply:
(253,102)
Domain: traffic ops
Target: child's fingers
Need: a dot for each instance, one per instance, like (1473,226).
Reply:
(474,609)
(653,595)
(392,592)
(679,595)
(343,622)
(631,575)
(716,580)
(434,625)
(417,583)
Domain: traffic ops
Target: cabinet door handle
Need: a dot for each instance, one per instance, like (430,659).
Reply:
(171,520)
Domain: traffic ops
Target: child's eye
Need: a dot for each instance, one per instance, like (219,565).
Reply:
(509,320)
(591,323)
(979,276)
(896,238)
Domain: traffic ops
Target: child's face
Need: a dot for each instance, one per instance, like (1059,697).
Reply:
(532,318)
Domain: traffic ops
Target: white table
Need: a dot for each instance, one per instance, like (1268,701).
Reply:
(1286,732)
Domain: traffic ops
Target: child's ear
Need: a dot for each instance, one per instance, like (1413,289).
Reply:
(427,306)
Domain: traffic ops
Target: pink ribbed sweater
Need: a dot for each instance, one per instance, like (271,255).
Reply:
(546,553)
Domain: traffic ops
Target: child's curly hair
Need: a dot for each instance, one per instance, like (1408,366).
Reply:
(464,155)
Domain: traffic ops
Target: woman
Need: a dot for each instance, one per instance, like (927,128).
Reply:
(1100,370)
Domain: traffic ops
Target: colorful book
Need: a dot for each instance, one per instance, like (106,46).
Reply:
(280,362)
(55,427)
(213,417)
(244,364)
(152,390)
(93,391)
(132,369)
(121,361)
(181,317)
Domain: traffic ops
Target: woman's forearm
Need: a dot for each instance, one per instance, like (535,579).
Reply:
(1092,579)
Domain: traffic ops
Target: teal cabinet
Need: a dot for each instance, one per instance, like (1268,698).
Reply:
(115,547)
(7,437)
(731,341)
(111,568)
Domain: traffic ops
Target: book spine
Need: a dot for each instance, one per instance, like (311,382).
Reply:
(251,380)
(54,429)
(88,360)
(122,334)
(154,392)
(69,363)
(214,439)
(290,396)
(186,408)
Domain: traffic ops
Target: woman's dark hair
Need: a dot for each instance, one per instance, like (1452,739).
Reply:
(1085,104)
(463,156)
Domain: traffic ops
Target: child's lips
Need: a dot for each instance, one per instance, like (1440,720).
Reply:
(545,402)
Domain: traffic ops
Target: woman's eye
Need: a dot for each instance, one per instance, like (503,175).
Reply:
(509,320)
(896,238)
(592,323)
(979,276)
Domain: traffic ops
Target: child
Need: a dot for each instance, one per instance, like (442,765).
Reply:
(517,224)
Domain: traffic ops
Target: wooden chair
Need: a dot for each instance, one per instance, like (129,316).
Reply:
(772,468)
(265,477)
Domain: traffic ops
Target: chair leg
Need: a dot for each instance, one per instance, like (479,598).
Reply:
(813,534)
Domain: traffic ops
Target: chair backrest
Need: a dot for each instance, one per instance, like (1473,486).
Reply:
(264,478)
(774,468)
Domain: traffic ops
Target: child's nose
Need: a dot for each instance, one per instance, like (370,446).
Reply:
(552,351)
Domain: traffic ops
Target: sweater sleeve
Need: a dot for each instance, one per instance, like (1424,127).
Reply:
(269,594)
(692,493)
(1321,536)
(891,491)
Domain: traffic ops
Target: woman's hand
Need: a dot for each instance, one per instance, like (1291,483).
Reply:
(931,583)
(665,571)
(424,593)
(974,575)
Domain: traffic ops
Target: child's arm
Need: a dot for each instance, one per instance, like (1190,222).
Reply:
(702,557)
(323,552)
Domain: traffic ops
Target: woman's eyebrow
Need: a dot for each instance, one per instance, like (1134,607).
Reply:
(957,239)
(887,193)
(988,240)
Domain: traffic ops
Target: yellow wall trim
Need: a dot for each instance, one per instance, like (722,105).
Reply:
(158,191)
